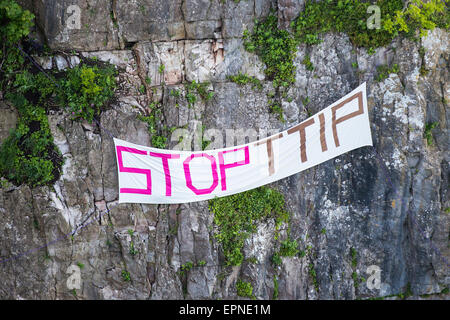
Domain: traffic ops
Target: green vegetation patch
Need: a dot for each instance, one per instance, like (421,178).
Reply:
(244,289)
(384,71)
(236,217)
(353,254)
(427,134)
(289,248)
(275,47)
(29,155)
(308,64)
(157,132)
(126,276)
(243,79)
(195,89)
(312,273)
(275,288)
(86,89)
(350,17)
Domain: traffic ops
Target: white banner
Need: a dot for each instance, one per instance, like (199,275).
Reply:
(150,175)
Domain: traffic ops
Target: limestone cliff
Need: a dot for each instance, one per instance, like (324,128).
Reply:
(385,206)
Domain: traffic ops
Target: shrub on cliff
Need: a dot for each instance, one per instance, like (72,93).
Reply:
(86,89)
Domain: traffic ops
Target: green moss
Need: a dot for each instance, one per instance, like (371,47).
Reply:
(252,260)
(423,71)
(15,24)
(28,155)
(175,93)
(408,291)
(244,289)
(237,215)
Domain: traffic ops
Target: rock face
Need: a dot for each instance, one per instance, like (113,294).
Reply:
(8,120)
(385,206)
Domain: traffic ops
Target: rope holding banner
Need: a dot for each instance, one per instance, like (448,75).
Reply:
(103,128)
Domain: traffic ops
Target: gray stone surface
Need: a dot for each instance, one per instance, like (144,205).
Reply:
(8,120)
(389,208)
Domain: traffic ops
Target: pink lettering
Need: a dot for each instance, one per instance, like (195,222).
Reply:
(187,173)
(147,172)
(224,166)
(165,161)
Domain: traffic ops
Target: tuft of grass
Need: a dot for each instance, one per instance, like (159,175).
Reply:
(185,268)
(126,275)
(201,263)
(161,68)
(353,254)
(384,71)
(312,273)
(276,259)
(275,288)
(132,249)
(195,89)
(157,132)
(308,64)
(427,134)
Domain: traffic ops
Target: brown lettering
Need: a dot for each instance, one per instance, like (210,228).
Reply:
(335,121)
(323,141)
(301,128)
(268,143)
